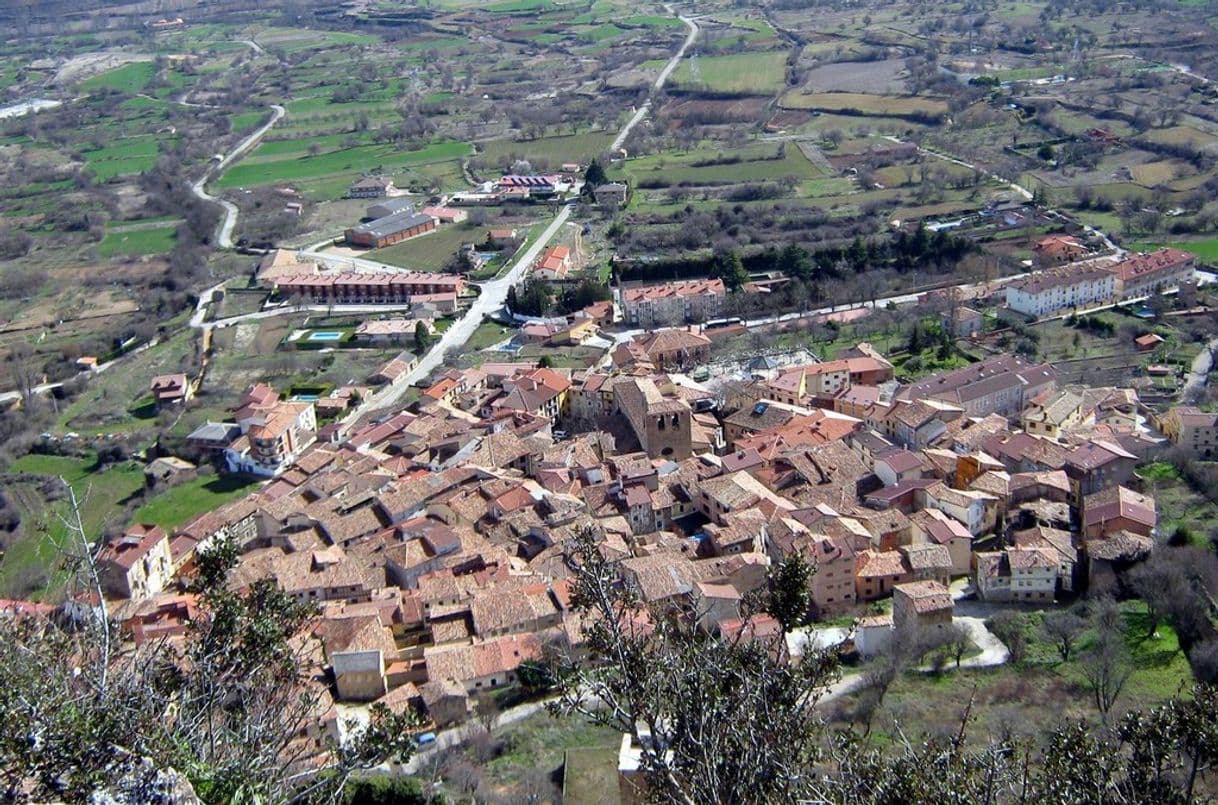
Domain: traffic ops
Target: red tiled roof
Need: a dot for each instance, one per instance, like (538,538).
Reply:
(133,545)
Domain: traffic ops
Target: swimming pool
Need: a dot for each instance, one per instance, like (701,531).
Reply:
(306,398)
(327,335)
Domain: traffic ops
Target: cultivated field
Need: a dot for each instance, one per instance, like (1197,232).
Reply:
(289,162)
(879,77)
(430,252)
(860,104)
(762,73)
(545,151)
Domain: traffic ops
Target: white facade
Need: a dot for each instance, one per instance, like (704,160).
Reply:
(1041,295)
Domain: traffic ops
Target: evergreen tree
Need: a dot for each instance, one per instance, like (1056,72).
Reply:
(789,591)
(594,177)
(728,267)
(794,262)
(856,255)
(422,338)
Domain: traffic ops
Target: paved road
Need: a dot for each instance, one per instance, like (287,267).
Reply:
(643,110)
(492,298)
(225,238)
(493,294)
(993,653)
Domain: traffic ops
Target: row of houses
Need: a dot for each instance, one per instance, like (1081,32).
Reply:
(1050,291)
(283,271)
(672,303)
(373,288)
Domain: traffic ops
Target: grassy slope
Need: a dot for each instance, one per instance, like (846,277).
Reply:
(181,504)
(44,536)
(158,240)
(129,78)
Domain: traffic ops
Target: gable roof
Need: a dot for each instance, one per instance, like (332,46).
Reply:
(1119,502)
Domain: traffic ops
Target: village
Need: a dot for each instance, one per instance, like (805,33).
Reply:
(863,355)
(433,537)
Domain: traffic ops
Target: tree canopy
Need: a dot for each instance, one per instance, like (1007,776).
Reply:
(232,707)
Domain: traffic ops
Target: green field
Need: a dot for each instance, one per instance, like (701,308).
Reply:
(137,242)
(286,162)
(128,155)
(1206,250)
(540,742)
(739,74)
(130,78)
(247,120)
(579,148)
(488,334)
(430,252)
(45,540)
(519,6)
(181,504)
(756,163)
(292,40)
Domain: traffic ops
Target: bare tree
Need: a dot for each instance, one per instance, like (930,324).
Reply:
(1106,664)
(958,641)
(1063,629)
(715,721)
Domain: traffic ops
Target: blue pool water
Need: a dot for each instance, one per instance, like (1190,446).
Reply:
(325,336)
(306,398)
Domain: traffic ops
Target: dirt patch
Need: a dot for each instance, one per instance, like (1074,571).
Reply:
(788,119)
(71,306)
(879,77)
(131,199)
(711,111)
(631,79)
(81,67)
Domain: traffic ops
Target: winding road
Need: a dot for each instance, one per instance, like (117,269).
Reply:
(492,294)
(225,238)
